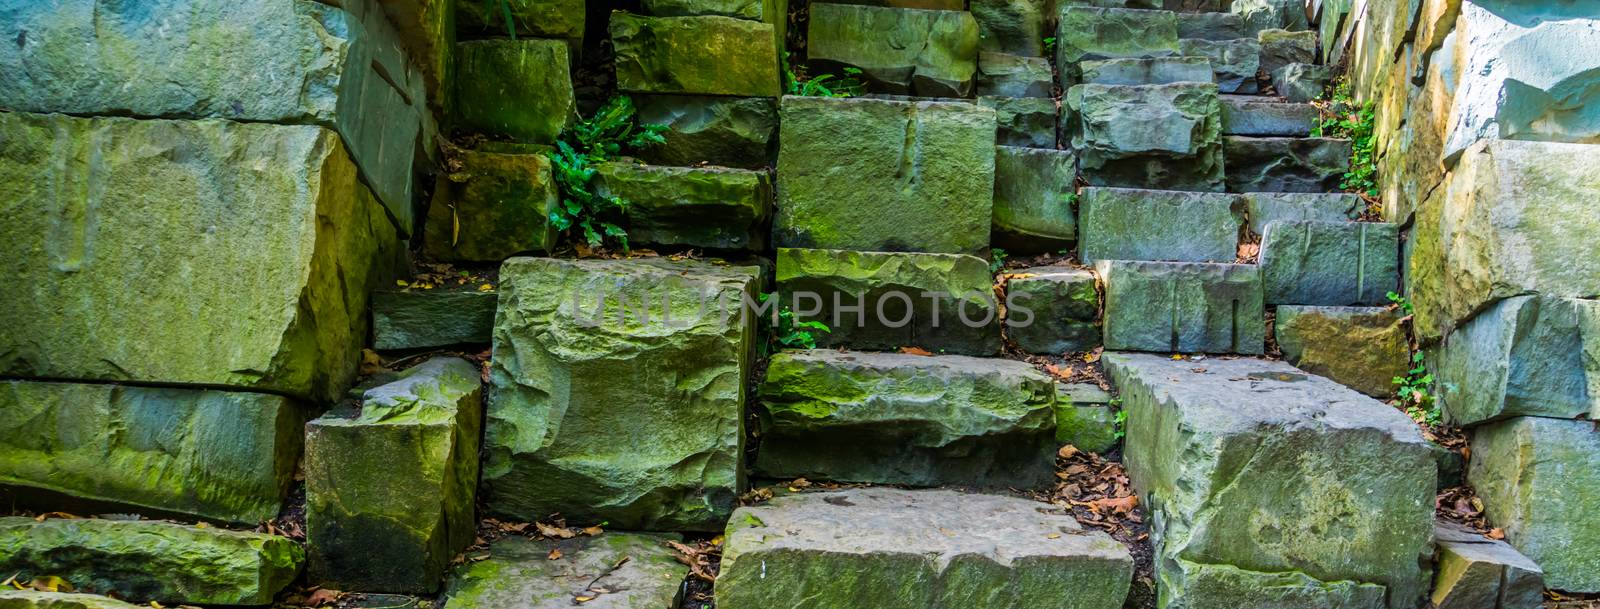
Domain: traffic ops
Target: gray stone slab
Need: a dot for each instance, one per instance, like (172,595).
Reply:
(1106,33)
(1145,71)
(1034,192)
(1363,348)
(1212,26)
(1245,115)
(1183,307)
(1023,121)
(898,50)
(1156,136)
(416,319)
(1284,164)
(1003,75)
(728,131)
(1263,208)
(1233,62)
(1053,310)
(1330,263)
(1475,572)
(1525,355)
(1169,225)
(1539,479)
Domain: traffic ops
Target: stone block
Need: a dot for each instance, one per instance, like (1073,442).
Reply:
(1160,136)
(494,206)
(1539,479)
(1002,75)
(1363,348)
(1084,418)
(1212,26)
(1264,208)
(1275,488)
(390,485)
(520,89)
(1286,164)
(441,317)
(1475,572)
(1085,32)
(708,55)
(1301,82)
(1281,47)
(1034,193)
(1523,356)
(533,18)
(1233,62)
(707,207)
(1023,121)
(728,131)
(1330,263)
(1170,225)
(1259,15)
(34,599)
(1053,310)
(1183,307)
(1145,71)
(217,455)
(898,50)
(1012,26)
(210,253)
(892,418)
(846,165)
(896,549)
(612,571)
(1243,115)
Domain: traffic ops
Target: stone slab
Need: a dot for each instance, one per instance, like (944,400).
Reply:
(1244,115)
(520,89)
(1158,136)
(706,207)
(727,131)
(1145,71)
(1168,225)
(1186,307)
(1085,32)
(1004,75)
(1285,164)
(900,51)
(1330,263)
(1525,355)
(707,55)
(1363,348)
(1023,121)
(495,205)
(1053,310)
(1263,208)
(609,571)
(1234,63)
(1475,572)
(418,319)
(1034,194)
(1539,479)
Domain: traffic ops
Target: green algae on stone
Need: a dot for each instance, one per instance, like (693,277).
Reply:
(537,18)
(1330,263)
(148,561)
(892,418)
(187,252)
(847,168)
(1012,26)
(1154,136)
(1475,572)
(1539,479)
(728,131)
(1003,75)
(617,392)
(521,89)
(1135,224)
(1084,418)
(1034,191)
(211,454)
(1280,48)
(613,570)
(415,319)
(1184,307)
(1525,355)
(709,207)
(1053,310)
(496,205)
(390,489)
(898,50)
(888,300)
(1023,121)
(1084,32)
(1363,348)
(1209,586)
(707,55)
(34,599)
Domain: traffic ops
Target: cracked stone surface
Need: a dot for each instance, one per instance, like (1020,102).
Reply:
(609,571)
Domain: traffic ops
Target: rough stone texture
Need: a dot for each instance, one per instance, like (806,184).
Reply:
(892,418)
(1330,263)
(1259,15)
(1255,116)
(1266,482)
(1172,225)
(1003,75)
(1511,86)
(1163,136)
(1475,572)
(1363,348)
(1506,225)
(867,174)
(1540,481)
(1267,207)
(1145,71)
(1527,355)
(1233,62)
(147,561)
(1084,418)
(613,570)
(898,50)
(535,18)
(897,549)
(1280,48)
(1053,310)
(390,486)
(931,5)
(1286,164)
(1023,121)
(1212,26)
(1012,26)
(417,319)
(1301,82)
(496,205)
(210,454)
(940,302)
(735,132)
(521,89)
(1108,33)
(714,207)
(614,395)
(708,55)
(31,599)
(286,61)
(1034,190)
(756,10)
(427,32)
(1183,307)
(204,252)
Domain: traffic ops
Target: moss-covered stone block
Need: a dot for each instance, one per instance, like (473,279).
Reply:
(1363,348)
(187,252)
(1158,136)
(1034,192)
(1144,70)
(1185,307)
(1084,418)
(1003,75)
(390,485)
(1012,26)
(1053,310)
(494,206)
(1266,207)
(707,55)
(710,207)
(147,561)
(417,319)
(1539,479)
(1523,356)
(1172,225)
(727,131)
(1023,121)
(34,599)
(536,18)
(617,392)
(520,89)
(1233,62)
(1089,32)
(612,571)
(898,50)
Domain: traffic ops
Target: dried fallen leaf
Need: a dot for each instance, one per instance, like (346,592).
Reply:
(50,583)
(48,515)
(1067,451)
(1496,533)
(1115,505)
(554,532)
(915,351)
(555,554)
(323,596)
(592,531)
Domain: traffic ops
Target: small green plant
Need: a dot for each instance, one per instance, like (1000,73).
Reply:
(1414,392)
(505,12)
(822,85)
(1119,423)
(1343,117)
(579,151)
(997,259)
(1049,46)
(1402,302)
(788,333)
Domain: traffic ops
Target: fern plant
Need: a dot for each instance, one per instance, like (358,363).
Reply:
(785,332)
(579,151)
(822,85)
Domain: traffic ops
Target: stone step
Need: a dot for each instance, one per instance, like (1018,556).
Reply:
(1263,208)
(889,300)
(1148,136)
(705,207)
(1034,191)
(1012,27)
(1273,487)
(1186,307)
(1160,225)
(608,571)
(440,317)
(700,55)
(1301,82)
(1261,15)
(896,549)
(498,204)
(893,418)
(1307,262)
(1003,75)
(144,561)
(1475,572)
(1085,33)
(521,89)
(1084,418)
(1258,116)
(1212,26)
(1539,479)
(1285,164)
(701,129)
(32,599)
(219,455)
(898,50)
(1280,48)
(1233,62)
(1053,310)
(1145,71)
(1363,348)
